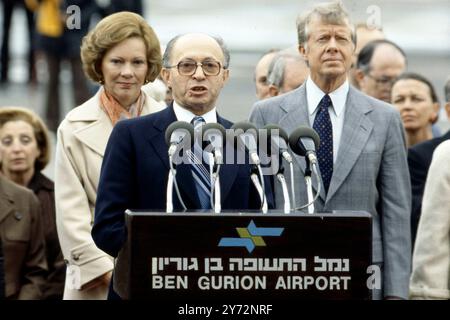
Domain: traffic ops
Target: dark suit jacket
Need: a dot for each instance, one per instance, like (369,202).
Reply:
(135,172)
(419,160)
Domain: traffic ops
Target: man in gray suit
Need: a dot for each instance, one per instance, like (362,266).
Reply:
(364,167)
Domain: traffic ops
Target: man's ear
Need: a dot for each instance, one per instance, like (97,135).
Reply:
(359,77)
(273,91)
(302,51)
(165,75)
(447,109)
(226,75)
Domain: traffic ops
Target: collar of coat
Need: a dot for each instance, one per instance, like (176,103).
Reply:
(97,127)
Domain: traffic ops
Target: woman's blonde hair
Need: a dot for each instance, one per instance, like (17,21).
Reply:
(112,30)
(8,114)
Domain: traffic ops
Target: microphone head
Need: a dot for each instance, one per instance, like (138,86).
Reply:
(213,128)
(302,133)
(277,138)
(214,133)
(245,126)
(177,130)
(271,131)
(243,131)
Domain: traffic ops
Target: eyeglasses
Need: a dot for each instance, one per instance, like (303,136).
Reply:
(382,81)
(189,67)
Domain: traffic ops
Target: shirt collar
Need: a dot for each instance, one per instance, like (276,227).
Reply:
(183,114)
(314,94)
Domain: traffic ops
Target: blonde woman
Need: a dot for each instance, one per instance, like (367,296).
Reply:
(122,53)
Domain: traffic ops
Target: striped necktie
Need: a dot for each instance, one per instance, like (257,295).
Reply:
(322,124)
(200,168)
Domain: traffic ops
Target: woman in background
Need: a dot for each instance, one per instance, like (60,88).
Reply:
(24,153)
(416,100)
(122,53)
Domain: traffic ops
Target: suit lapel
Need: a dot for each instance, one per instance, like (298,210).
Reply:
(296,109)
(157,136)
(355,133)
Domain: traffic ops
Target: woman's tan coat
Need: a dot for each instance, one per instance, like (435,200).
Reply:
(81,143)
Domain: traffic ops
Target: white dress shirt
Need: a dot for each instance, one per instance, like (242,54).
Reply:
(338,97)
(183,114)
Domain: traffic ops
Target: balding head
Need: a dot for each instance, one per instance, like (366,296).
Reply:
(198,36)
(364,35)
(286,73)
(261,73)
(196,69)
(379,63)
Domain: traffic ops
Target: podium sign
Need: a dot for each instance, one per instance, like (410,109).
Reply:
(206,256)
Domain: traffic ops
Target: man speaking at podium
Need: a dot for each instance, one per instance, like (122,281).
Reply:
(135,168)
(362,152)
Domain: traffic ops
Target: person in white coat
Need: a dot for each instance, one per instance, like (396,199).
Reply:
(430,278)
(122,53)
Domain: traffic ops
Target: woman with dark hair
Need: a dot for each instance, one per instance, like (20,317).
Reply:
(22,242)
(25,152)
(121,53)
(416,100)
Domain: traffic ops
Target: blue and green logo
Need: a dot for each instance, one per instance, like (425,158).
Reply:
(251,237)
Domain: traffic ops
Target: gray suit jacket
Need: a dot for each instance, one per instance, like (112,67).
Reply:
(370,174)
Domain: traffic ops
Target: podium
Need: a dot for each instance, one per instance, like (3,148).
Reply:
(203,256)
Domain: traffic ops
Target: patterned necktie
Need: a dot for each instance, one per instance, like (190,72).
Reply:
(200,169)
(322,124)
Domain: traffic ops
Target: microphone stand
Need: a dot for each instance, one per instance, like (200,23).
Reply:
(170,182)
(259,188)
(309,190)
(215,183)
(281,179)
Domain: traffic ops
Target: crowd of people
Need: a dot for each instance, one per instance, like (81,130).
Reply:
(380,150)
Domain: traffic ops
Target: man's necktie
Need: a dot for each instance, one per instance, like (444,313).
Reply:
(322,124)
(200,169)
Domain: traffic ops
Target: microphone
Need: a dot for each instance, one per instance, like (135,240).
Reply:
(246,133)
(176,134)
(278,137)
(214,135)
(304,141)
